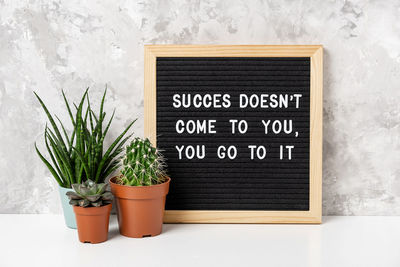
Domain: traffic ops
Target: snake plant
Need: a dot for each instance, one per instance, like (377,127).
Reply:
(80,155)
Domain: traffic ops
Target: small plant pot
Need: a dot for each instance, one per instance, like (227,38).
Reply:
(69,215)
(92,223)
(140,209)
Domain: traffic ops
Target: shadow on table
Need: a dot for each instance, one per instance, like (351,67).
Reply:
(114,230)
(329,219)
(170,227)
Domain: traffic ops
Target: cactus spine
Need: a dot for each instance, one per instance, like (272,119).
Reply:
(142,165)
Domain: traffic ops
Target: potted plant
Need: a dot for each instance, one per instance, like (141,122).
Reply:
(78,156)
(140,190)
(92,207)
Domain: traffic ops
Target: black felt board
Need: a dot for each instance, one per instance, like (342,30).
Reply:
(242,183)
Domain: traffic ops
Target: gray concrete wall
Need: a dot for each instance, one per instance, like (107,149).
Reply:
(49,45)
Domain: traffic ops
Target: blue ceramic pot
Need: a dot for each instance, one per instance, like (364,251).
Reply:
(69,214)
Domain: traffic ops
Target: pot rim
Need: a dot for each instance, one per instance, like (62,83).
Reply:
(67,188)
(92,210)
(142,186)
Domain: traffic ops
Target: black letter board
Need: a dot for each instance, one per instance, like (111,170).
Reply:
(235,132)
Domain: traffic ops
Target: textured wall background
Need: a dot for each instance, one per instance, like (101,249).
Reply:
(49,45)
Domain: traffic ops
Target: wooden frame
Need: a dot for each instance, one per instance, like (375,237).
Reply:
(315,52)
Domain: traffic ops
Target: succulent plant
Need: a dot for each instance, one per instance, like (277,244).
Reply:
(143,164)
(89,194)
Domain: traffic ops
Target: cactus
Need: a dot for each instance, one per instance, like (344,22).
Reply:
(89,194)
(143,164)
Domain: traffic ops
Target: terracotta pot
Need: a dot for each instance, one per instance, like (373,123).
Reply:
(140,209)
(92,223)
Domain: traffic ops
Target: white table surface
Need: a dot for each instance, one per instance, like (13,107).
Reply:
(44,240)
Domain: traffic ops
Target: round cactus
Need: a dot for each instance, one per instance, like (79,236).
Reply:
(142,165)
